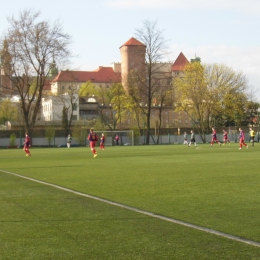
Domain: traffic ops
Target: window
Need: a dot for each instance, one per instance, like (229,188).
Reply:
(179,121)
(74,106)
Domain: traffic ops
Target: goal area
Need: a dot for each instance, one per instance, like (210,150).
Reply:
(125,137)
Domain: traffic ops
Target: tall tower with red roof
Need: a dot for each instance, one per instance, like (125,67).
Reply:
(132,58)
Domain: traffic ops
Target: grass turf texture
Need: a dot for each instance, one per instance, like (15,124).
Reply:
(217,188)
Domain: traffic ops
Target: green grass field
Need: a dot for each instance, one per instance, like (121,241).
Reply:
(216,188)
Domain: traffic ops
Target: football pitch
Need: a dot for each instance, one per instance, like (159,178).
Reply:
(140,202)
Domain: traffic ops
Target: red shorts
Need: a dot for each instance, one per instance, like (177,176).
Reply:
(92,144)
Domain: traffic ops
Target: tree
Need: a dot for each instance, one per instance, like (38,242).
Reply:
(119,100)
(112,110)
(79,133)
(32,45)
(105,109)
(49,134)
(144,85)
(69,97)
(64,120)
(251,114)
(163,100)
(7,111)
(210,94)
(227,93)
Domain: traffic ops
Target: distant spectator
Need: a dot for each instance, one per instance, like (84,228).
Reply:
(117,140)
(69,141)
(192,139)
(252,136)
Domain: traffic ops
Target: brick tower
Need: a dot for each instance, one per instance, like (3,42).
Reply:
(132,58)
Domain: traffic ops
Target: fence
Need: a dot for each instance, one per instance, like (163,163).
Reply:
(126,140)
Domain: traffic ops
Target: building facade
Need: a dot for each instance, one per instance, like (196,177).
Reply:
(52,107)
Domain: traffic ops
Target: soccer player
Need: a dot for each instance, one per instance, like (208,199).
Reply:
(242,139)
(27,144)
(214,137)
(192,139)
(93,138)
(252,136)
(225,137)
(185,141)
(102,142)
(69,141)
(117,140)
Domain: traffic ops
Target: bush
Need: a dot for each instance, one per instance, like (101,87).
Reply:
(79,133)
(12,139)
(49,134)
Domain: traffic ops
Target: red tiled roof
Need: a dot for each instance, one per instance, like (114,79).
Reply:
(179,63)
(133,42)
(101,75)
(47,85)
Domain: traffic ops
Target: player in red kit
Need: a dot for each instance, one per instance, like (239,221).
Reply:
(225,137)
(214,137)
(242,139)
(93,138)
(27,143)
(102,142)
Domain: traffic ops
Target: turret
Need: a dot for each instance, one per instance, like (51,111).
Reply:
(132,58)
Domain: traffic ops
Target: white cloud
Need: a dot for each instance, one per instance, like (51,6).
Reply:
(244,59)
(251,6)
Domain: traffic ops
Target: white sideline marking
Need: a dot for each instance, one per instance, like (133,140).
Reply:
(147,213)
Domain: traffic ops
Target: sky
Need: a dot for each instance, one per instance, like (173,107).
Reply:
(217,31)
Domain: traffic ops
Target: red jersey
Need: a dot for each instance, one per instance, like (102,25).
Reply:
(214,133)
(242,135)
(27,141)
(102,139)
(92,137)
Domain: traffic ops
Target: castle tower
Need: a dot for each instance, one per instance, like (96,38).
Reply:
(179,64)
(6,71)
(132,58)
(53,69)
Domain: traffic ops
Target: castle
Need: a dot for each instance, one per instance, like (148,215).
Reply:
(89,108)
